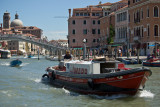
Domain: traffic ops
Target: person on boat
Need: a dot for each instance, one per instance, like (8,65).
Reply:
(68,56)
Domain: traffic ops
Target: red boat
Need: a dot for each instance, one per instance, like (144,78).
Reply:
(98,78)
(153,62)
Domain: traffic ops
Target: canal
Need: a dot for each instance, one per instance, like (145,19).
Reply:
(22,87)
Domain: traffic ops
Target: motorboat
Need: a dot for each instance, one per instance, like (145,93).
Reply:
(129,61)
(15,63)
(98,77)
(153,62)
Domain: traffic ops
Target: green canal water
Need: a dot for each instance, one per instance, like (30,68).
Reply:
(22,87)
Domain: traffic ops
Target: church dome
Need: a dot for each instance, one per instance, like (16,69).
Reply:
(16,22)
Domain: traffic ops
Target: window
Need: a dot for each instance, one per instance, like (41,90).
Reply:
(86,40)
(99,22)
(156,30)
(97,14)
(84,31)
(73,22)
(74,40)
(94,40)
(129,18)
(77,14)
(73,32)
(81,14)
(98,40)
(133,1)
(142,31)
(141,13)
(147,12)
(128,2)
(85,14)
(148,30)
(84,22)
(99,32)
(93,14)
(155,11)
(93,31)
(94,22)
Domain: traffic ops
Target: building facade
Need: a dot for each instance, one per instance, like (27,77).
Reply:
(144,25)
(84,24)
(121,29)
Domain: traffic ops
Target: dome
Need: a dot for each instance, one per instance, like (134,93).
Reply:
(16,22)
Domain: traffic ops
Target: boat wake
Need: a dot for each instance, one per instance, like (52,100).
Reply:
(5,64)
(70,92)
(146,94)
(24,64)
(109,97)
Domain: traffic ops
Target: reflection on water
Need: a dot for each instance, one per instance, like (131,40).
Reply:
(23,87)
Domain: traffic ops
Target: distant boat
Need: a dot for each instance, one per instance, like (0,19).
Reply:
(30,56)
(5,53)
(15,63)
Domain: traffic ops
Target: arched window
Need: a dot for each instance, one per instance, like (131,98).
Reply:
(155,30)
(155,11)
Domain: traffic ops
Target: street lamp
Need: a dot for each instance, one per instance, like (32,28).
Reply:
(84,49)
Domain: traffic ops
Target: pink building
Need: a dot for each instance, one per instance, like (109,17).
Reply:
(84,24)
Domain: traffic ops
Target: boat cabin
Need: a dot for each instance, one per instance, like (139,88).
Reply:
(89,67)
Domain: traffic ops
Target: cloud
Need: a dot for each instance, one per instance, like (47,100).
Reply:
(55,35)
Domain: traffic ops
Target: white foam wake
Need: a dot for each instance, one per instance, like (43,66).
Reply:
(5,63)
(66,91)
(146,94)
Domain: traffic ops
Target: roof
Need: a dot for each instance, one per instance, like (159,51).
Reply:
(28,34)
(122,8)
(105,4)
(88,8)
(122,1)
(27,27)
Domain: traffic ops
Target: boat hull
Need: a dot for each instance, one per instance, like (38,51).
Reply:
(15,63)
(124,82)
(151,64)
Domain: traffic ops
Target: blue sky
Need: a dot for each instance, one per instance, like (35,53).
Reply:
(42,13)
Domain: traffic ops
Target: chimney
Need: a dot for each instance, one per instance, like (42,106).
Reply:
(69,12)
(1,26)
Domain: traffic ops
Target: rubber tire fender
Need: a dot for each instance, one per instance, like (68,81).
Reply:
(53,75)
(91,83)
(45,75)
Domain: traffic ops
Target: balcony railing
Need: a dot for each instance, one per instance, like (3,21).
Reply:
(136,38)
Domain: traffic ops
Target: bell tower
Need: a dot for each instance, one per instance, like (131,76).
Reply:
(6,20)
(16,16)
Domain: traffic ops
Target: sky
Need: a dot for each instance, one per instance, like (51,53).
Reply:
(49,15)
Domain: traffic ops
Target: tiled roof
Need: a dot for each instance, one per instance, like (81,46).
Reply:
(28,34)
(122,8)
(87,9)
(105,4)
(27,27)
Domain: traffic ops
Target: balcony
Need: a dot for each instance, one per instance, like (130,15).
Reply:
(136,39)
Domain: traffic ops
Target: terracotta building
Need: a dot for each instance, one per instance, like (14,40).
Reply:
(84,24)
(92,23)
(144,24)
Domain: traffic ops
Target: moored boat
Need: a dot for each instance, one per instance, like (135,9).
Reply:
(5,53)
(129,61)
(153,62)
(30,56)
(15,63)
(99,78)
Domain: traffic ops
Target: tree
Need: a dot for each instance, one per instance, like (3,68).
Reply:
(111,34)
